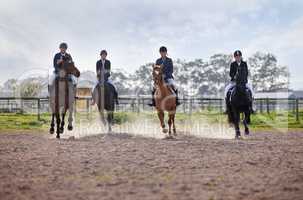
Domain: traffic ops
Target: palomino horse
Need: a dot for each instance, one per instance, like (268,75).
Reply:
(165,101)
(62,95)
(239,101)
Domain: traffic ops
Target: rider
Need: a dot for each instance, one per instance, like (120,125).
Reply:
(167,64)
(61,57)
(238,63)
(103,67)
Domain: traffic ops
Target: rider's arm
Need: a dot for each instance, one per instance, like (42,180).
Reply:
(97,68)
(170,67)
(232,72)
(246,73)
(56,63)
(107,70)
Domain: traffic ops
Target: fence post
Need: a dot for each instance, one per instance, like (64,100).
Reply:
(267,105)
(190,106)
(297,110)
(183,104)
(39,107)
(21,102)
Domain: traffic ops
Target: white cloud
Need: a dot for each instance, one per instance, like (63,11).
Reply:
(133,30)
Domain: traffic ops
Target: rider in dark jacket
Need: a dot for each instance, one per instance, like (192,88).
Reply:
(238,64)
(59,58)
(103,67)
(168,70)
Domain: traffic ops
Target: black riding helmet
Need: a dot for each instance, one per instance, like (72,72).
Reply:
(237,53)
(63,45)
(103,52)
(163,49)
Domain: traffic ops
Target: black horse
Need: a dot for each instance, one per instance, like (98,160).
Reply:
(105,97)
(239,100)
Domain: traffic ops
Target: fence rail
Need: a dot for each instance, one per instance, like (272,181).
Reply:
(139,104)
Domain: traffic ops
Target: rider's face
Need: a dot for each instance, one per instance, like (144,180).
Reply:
(163,54)
(62,50)
(103,56)
(238,58)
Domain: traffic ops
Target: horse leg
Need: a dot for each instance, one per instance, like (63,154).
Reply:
(62,122)
(52,129)
(161,118)
(170,121)
(70,117)
(174,125)
(110,116)
(70,120)
(58,124)
(236,123)
(245,122)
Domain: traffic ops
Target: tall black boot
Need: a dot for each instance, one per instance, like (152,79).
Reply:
(177,98)
(116,97)
(153,103)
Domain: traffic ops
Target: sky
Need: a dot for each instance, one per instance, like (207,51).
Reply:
(132,31)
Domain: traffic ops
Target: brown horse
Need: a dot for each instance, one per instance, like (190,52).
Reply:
(165,100)
(62,95)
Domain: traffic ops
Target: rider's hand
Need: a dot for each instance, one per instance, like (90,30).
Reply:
(59,61)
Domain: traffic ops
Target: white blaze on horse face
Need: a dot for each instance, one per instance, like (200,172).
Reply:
(62,73)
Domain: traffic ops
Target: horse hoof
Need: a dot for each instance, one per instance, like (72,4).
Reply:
(61,130)
(169,137)
(70,128)
(247,132)
(51,130)
(58,136)
(164,130)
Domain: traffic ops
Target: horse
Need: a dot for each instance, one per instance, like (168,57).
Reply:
(62,95)
(104,95)
(165,100)
(239,101)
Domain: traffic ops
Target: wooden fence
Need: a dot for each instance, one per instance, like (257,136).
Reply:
(139,104)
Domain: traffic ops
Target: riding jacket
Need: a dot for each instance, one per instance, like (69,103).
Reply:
(168,67)
(103,67)
(58,56)
(234,67)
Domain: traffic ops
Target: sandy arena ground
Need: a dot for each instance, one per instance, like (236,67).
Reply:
(121,166)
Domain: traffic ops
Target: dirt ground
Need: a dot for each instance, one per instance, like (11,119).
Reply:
(119,166)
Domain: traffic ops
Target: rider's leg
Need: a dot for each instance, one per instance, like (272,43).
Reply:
(153,103)
(172,84)
(251,97)
(227,94)
(115,91)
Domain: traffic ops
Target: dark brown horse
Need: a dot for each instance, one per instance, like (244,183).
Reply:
(62,95)
(165,101)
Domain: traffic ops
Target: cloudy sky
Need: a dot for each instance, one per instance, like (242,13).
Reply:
(133,30)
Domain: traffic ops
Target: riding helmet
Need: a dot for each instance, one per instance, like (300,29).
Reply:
(237,53)
(163,49)
(103,52)
(63,45)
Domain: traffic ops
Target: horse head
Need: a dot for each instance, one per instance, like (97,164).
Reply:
(68,68)
(157,74)
(240,82)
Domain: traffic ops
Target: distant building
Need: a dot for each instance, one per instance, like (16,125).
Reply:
(280,95)
(84,90)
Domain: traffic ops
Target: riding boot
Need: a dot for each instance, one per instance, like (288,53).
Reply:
(177,98)
(153,103)
(116,97)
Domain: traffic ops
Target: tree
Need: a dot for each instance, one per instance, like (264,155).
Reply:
(266,74)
